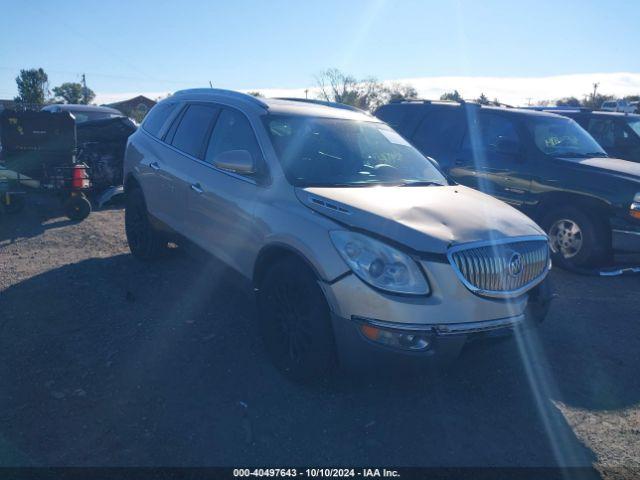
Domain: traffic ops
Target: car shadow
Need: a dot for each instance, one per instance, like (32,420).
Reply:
(115,362)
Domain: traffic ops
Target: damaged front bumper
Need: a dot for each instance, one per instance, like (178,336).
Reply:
(371,343)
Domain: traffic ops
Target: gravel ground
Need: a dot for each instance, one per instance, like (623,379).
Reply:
(106,361)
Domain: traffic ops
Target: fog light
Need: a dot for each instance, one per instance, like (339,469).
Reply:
(397,339)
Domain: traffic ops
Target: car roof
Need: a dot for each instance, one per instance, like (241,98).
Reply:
(283,106)
(75,107)
(427,104)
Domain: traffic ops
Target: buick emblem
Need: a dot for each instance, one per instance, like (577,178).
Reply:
(515,264)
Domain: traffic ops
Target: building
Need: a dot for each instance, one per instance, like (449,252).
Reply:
(7,104)
(136,107)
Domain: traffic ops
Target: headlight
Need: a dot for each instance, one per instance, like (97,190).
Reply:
(634,209)
(380,265)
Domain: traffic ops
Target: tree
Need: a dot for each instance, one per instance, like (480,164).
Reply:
(595,100)
(33,87)
(71,92)
(367,94)
(483,100)
(568,102)
(401,91)
(255,94)
(453,96)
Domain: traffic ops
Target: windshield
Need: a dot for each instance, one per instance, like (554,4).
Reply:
(562,137)
(85,116)
(335,152)
(634,124)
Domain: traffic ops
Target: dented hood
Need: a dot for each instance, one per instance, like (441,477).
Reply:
(426,219)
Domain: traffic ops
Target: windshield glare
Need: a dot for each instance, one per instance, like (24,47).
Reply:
(560,137)
(336,152)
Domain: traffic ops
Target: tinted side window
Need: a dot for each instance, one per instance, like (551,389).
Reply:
(402,117)
(232,132)
(603,131)
(193,129)
(440,132)
(486,130)
(156,118)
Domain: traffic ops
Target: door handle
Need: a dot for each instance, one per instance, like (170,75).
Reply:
(196,187)
(155,166)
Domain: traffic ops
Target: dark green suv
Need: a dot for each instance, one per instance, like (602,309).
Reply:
(544,164)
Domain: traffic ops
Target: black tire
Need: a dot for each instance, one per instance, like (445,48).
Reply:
(295,321)
(594,234)
(145,242)
(16,204)
(77,207)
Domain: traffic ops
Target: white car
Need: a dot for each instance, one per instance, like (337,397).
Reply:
(619,106)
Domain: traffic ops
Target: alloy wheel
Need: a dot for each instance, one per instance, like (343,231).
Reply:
(566,238)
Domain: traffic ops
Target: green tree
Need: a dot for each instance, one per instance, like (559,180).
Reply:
(568,102)
(33,87)
(72,92)
(483,100)
(255,94)
(453,96)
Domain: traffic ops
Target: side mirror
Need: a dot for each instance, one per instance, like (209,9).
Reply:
(508,147)
(237,161)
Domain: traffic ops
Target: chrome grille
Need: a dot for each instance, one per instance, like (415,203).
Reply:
(501,268)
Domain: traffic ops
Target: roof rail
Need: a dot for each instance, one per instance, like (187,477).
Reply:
(343,106)
(562,108)
(224,93)
(425,100)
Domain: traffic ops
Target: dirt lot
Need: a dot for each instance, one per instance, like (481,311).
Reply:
(107,361)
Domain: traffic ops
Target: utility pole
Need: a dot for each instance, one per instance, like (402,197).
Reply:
(85,97)
(595,90)
(306,93)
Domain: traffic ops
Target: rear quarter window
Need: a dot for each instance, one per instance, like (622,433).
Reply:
(157,117)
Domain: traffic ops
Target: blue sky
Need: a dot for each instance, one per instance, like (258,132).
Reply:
(153,46)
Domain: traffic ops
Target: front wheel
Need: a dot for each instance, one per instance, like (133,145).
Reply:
(295,321)
(577,239)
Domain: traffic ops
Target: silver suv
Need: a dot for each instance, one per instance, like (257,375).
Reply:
(360,249)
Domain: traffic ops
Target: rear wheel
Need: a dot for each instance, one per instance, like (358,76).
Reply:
(577,239)
(145,242)
(295,321)
(77,207)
